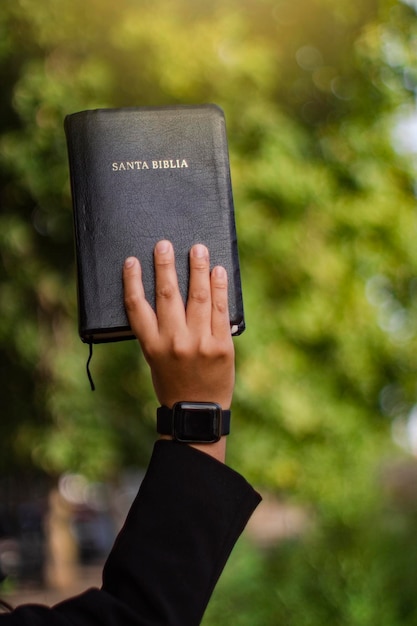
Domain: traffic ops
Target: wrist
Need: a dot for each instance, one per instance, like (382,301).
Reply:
(202,425)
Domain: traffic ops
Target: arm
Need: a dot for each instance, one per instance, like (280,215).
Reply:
(191,508)
(190,351)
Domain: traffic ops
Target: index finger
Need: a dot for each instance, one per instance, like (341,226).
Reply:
(141,316)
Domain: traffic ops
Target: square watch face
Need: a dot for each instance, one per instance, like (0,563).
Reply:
(197,423)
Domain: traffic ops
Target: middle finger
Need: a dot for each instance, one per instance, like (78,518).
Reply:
(169,304)
(199,292)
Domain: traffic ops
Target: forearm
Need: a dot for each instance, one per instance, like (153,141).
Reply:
(187,517)
(216,450)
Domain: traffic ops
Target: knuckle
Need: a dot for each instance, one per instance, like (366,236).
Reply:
(220,305)
(180,349)
(165,292)
(154,351)
(219,352)
(149,351)
(164,261)
(205,349)
(220,285)
(200,295)
(200,265)
(131,301)
(224,350)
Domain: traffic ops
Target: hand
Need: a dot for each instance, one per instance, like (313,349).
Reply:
(189,349)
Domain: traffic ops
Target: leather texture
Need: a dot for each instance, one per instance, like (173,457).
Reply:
(139,175)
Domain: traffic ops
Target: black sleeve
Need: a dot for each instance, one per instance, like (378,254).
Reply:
(186,518)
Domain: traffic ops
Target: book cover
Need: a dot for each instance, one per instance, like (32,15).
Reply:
(139,175)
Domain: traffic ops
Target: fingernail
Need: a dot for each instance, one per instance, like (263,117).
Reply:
(219,271)
(130,261)
(162,246)
(199,250)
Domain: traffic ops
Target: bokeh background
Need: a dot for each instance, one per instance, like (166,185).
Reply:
(319,97)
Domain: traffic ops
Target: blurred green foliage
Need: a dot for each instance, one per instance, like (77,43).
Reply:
(313,91)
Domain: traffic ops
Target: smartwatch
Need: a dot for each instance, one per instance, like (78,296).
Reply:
(193,422)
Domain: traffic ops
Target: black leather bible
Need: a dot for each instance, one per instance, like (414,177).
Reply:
(139,175)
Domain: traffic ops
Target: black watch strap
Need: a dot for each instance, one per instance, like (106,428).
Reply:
(193,422)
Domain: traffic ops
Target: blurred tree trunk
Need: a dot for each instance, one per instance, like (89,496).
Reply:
(61,565)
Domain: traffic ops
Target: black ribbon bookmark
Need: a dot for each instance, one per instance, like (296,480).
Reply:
(90,356)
